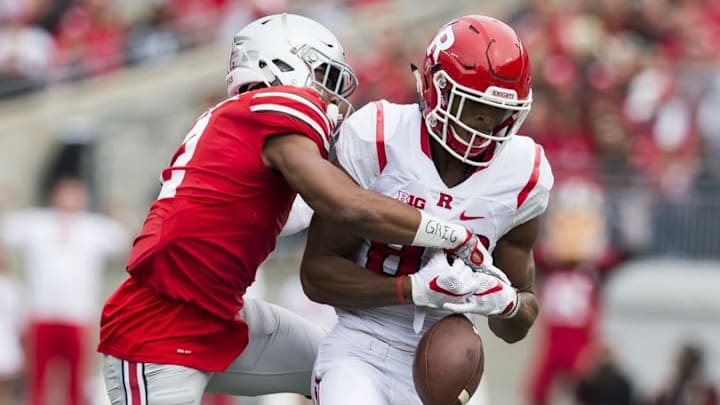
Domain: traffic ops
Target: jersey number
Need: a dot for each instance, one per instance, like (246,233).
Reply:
(400,259)
(182,157)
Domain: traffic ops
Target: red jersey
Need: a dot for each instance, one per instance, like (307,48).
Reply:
(216,219)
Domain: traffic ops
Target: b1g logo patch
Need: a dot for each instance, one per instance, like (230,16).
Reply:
(443,200)
(410,199)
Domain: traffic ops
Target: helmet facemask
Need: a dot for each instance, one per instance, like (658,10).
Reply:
(483,144)
(331,78)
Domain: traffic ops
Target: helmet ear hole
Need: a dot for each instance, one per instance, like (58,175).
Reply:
(284,67)
(250,87)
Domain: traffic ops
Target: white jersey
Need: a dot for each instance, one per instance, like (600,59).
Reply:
(63,257)
(383,148)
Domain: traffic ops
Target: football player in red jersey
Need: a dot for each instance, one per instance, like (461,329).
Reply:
(179,325)
(458,158)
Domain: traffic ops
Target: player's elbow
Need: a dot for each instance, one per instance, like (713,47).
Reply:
(306,282)
(309,283)
(510,333)
(513,337)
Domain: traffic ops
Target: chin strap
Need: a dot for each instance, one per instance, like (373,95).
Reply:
(333,112)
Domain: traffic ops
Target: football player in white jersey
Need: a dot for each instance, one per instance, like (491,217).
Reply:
(457,157)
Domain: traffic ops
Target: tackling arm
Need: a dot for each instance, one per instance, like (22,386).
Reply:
(330,277)
(513,254)
(332,194)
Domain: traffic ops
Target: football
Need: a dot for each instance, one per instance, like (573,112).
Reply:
(449,362)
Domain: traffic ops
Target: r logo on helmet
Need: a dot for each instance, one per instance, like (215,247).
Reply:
(443,41)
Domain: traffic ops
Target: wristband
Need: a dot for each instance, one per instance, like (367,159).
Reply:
(516,308)
(433,232)
(399,289)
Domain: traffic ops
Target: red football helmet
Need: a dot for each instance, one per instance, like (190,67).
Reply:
(475,59)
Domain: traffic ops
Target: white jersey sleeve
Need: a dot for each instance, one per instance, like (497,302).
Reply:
(356,148)
(534,198)
(299,218)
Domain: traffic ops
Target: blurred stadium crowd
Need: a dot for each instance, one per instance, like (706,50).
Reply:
(626,104)
(625,91)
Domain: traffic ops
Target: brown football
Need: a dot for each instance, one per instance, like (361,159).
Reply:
(449,362)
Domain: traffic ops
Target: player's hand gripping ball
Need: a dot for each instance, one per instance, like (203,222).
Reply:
(449,362)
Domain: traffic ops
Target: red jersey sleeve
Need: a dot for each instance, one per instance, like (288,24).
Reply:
(292,110)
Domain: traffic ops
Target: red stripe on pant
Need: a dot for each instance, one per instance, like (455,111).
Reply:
(135,394)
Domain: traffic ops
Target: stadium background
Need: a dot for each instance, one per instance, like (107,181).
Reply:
(627,106)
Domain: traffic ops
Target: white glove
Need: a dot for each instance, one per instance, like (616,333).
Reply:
(494,297)
(474,254)
(438,282)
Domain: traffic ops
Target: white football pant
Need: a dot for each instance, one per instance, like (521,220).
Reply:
(354,368)
(279,358)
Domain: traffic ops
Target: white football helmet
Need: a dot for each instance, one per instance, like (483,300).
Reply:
(288,49)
